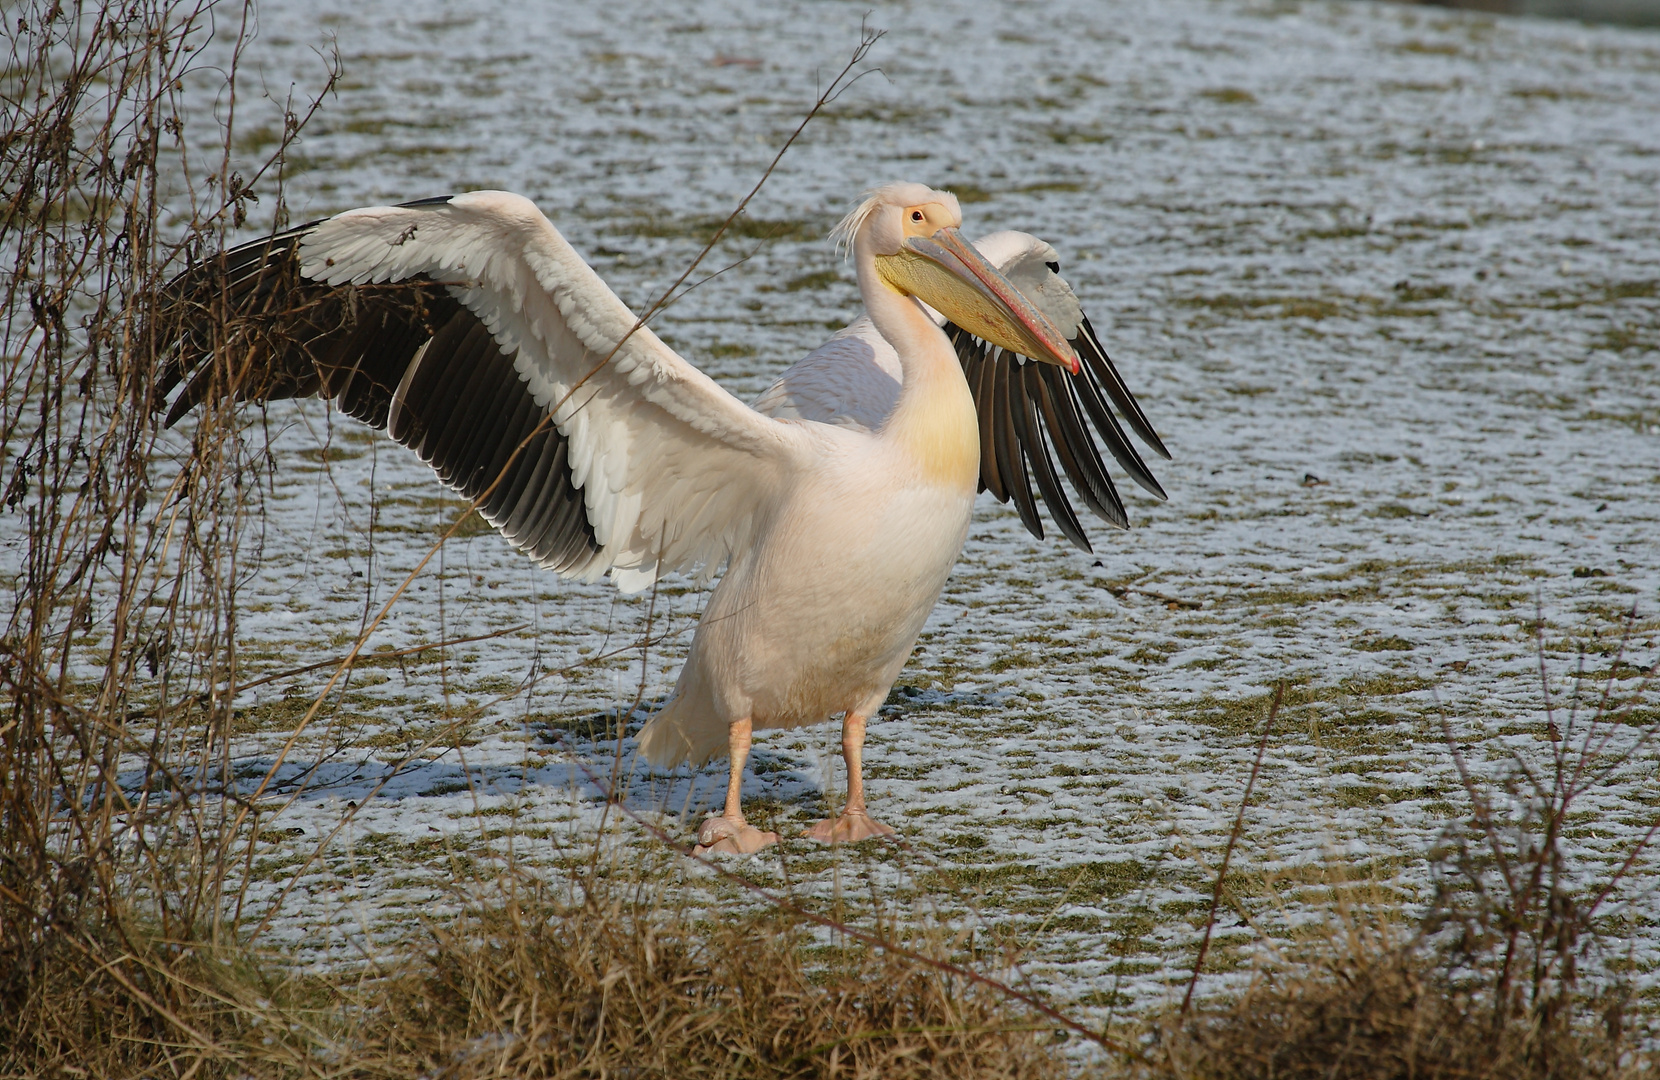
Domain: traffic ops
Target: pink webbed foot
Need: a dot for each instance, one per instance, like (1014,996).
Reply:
(726,836)
(850,828)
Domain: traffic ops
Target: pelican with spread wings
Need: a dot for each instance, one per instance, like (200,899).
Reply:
(471,331)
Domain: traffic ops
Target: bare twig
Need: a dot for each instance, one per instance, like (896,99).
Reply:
(1233,840)
(264,680)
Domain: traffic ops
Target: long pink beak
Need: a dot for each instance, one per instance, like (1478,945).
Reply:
(1043,339)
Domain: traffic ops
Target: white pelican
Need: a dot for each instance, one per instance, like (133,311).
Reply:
(470,330)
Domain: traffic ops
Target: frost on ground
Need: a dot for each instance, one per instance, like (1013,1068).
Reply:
(1386,281)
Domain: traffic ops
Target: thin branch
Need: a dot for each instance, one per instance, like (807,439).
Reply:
(214,695)
(1233,841)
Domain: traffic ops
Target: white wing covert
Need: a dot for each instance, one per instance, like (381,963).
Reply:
(850,381)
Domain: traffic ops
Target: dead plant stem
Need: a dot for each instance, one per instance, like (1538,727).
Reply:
(1227,852)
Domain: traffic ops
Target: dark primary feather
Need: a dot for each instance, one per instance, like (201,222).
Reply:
(1011,459)
(1032,413)
(1089,477)
(245,325)
(1090,349)
(1028,429)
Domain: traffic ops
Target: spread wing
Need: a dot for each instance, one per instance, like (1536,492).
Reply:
(474,333)
(1033,416)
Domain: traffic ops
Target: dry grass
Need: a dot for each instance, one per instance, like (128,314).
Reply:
(614,986)
(99,998)
(525,986)
(1378,1017)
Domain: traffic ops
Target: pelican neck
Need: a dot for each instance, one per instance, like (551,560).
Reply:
(934,420)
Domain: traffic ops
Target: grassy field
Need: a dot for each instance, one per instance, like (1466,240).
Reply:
(1384,279)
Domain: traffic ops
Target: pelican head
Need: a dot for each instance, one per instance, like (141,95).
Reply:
(910,234)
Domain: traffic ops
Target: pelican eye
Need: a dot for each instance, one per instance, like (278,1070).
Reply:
(916,215)
(1054,267)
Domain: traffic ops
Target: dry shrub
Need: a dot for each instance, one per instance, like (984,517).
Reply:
(618,987)
(119,819)
(1507,975)
(1390,1016)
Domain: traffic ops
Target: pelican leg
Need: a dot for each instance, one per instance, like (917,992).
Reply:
(730,834)
(855,823)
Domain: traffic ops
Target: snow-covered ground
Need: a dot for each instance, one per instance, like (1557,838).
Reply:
(1386,279)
